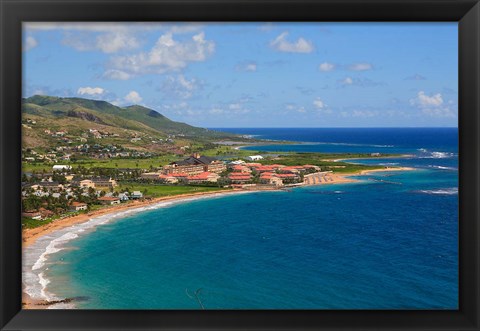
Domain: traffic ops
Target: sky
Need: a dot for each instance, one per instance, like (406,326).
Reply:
(254,74)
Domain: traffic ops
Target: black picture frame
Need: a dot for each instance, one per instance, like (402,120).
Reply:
(14,12)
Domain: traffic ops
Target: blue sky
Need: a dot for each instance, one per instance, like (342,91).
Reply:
(254,74)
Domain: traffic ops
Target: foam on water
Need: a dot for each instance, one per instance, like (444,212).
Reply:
(446,191)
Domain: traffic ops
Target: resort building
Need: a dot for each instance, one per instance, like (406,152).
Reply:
(194,165)
(271,178)
(203,178)
(109,200)
(241,168)
(77,206)
(239,178)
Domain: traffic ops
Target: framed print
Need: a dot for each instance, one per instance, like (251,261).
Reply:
(250,165)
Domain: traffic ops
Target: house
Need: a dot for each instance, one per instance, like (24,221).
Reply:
(86,183)
(45,212)
(109,200)
(136,195)
(60,167)
(203,178)
(52,186)
(77,206)
(123,196)
(34,215)
(254,157)
(104,181)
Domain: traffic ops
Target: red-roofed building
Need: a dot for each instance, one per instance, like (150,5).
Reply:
(203,177)
(77,206)
(287,176)
(179,176)
(241,168)
(239,178)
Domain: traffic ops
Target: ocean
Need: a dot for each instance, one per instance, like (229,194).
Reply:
(387,242)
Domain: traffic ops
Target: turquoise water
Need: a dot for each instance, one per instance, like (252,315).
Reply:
(389,242)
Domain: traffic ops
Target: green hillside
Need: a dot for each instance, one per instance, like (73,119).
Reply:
(132,117)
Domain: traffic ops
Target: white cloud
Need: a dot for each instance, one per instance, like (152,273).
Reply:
(440,112)
(116,74)
(247,66)
(318,103)
(296,108)
(108,37)
(166,55)
(363,113)
(110,42)
(433,105)
(216,111)
(29,43)
(300,46)
(347,81)
(238,108)
(360,67)
(422,100)
(415,77)
(180,86)
(325,66)
(133,97)
(360,82)
(114,42)
(90,90)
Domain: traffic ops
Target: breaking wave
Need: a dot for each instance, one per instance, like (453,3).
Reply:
(426,154)
(446,191)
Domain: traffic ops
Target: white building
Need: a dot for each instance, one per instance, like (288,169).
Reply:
(61,167)
(254,157)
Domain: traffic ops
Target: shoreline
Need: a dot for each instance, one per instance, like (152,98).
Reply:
(29,236)
(39,242)
(44,240)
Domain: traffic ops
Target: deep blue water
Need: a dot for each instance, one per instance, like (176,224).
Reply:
(389,242)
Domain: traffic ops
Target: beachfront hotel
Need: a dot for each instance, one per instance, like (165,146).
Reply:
(195,165)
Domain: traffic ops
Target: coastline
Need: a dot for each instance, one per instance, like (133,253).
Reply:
(41,241)
(29,236)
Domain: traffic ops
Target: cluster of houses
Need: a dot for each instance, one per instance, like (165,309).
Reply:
(198,169)
(194,170)
(71,190)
